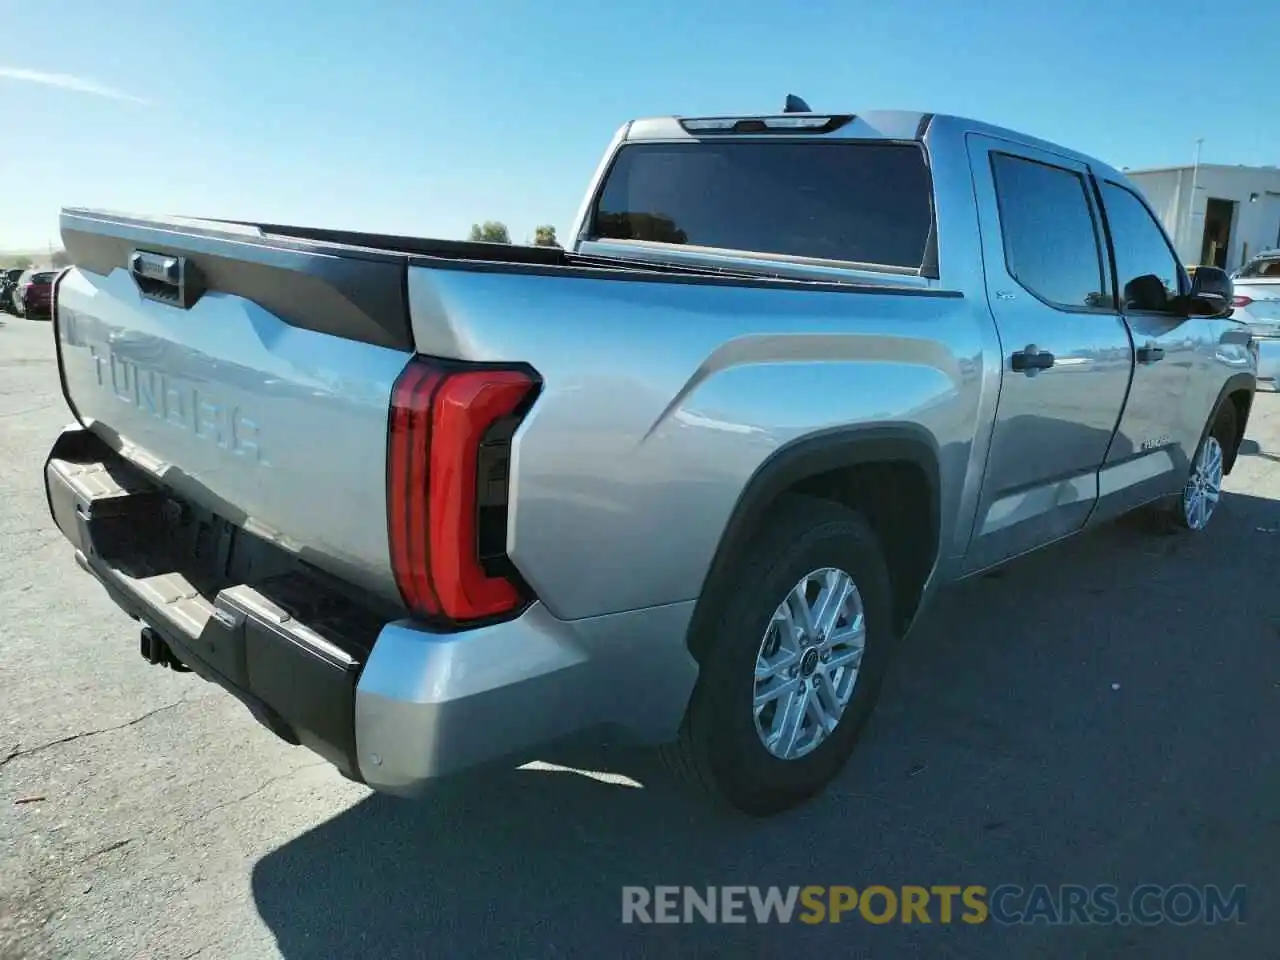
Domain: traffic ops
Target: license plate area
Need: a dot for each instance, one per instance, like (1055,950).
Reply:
(235,607)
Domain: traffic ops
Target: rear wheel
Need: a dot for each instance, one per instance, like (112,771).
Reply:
(796,646)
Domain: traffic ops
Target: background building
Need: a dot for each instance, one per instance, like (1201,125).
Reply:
(1235,214)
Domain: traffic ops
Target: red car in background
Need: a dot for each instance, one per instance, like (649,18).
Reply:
(34,294)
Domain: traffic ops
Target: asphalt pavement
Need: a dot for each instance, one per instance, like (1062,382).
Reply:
(1104,712)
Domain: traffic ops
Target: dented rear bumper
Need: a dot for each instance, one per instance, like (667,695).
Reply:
(383,699)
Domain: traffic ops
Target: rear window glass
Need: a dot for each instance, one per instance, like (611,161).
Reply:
(42,278)
(1262,267)
(853,201)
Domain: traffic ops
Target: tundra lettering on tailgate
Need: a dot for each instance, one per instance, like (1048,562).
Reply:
(167,399)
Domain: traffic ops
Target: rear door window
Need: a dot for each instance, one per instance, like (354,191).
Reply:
(1051,242)
(851,201)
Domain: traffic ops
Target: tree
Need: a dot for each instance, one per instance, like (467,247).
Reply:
(491,231)
(60,259)
(23,262)
(545,236)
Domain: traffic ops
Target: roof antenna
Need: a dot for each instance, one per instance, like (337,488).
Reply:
(795,105)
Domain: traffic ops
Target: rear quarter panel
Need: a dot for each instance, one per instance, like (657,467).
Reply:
(662,399)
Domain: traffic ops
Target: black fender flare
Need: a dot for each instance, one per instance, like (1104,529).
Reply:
(813,455)
(1236,383)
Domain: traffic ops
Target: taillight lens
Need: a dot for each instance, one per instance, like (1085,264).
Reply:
(1240,300)
(446,469)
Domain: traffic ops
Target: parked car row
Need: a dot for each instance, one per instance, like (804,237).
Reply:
(1257,306)
(27,292)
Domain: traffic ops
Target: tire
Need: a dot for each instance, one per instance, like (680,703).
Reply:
(721,749)
(1178,515)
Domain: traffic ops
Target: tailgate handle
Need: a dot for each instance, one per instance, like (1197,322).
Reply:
(166,278)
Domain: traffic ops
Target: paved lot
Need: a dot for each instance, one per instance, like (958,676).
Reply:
(1103,713)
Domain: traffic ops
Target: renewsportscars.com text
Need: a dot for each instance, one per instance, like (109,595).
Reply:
(1146,904)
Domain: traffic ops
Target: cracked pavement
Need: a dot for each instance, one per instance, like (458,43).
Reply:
(1103,712)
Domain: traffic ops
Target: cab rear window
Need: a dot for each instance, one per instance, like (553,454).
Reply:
(853,201)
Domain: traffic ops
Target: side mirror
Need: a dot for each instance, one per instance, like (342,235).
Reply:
(1211,293)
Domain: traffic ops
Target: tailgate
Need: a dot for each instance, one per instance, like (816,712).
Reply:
(250,376)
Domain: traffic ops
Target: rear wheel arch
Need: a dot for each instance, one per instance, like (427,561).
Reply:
(890,474)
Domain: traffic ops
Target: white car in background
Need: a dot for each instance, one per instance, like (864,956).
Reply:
(1257,305)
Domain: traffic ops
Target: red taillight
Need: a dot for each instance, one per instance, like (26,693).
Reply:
(440,419)
(1240,300)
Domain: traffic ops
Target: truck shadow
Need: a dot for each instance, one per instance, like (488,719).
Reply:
(1250,448)
(1100,713)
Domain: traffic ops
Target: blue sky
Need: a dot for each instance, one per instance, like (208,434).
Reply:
(422,117)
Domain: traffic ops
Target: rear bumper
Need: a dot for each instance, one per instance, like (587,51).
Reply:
(384,700)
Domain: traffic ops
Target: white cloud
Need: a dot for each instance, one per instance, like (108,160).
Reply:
(65,81)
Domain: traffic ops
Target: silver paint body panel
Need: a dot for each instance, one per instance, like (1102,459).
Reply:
(636,435)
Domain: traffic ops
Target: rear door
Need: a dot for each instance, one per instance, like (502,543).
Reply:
(1067,353)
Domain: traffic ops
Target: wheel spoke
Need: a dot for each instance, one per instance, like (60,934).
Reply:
(850,633)
(829,696)
(793,713)
(825,714)
(799,607)
(845,657)
(786,629)
(831,603)
(784,689)
(1215,459)
(766,668)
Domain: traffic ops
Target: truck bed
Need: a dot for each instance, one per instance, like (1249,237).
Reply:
(342,282)
(258,387)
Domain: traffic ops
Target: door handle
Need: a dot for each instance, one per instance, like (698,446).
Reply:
(1150,353)
(1030,361)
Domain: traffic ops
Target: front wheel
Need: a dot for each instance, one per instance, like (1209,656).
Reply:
(797,640)
(1203,488)
(1196,505)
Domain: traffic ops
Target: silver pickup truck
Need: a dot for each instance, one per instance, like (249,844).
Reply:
(423,505)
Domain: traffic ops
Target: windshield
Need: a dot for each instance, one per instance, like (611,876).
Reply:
(853,201)
(1268,267)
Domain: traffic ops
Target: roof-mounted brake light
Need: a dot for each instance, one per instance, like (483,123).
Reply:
(793,123)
